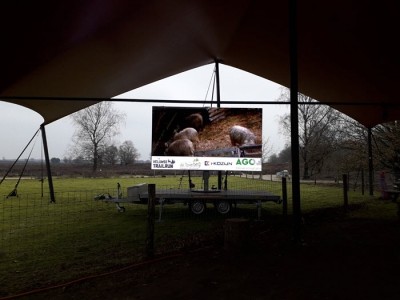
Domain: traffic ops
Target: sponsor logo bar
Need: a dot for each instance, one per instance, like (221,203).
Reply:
(206,163)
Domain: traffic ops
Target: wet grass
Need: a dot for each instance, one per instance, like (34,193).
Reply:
(43,243)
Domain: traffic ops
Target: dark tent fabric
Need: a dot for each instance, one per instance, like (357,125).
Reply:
(348,54)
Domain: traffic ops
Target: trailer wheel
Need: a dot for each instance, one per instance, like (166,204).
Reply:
(223,207)
(197,207)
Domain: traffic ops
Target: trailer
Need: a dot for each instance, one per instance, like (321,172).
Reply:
(196,199)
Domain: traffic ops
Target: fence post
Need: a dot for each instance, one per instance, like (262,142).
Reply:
(348,181)
(150,220)
(362,182)
(345,190)
(284,197)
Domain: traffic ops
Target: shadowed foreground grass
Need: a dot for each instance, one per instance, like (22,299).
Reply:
(43,243)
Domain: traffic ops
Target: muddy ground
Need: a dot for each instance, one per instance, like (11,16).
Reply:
(340,257)
(216,134)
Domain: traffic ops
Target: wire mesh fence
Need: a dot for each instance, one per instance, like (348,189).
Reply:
(73,237)
(44,243)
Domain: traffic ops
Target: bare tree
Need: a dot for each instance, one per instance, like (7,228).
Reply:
(386,139)
(385,143)
(284,156)
(266,149)
(95,127)
(128,154)
(353,152)
(318,132)
(110,155)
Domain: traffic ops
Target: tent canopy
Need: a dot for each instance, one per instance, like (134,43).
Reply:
(348,55)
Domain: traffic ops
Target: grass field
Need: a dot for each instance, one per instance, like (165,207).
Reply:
(43,243)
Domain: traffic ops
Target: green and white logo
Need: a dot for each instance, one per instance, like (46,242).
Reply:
(245,162)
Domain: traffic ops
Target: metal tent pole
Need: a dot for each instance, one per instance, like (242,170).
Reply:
(218,105)
(46,155)
(294,120)
(370,163)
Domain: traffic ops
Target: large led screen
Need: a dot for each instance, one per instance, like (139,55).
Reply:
(224,139)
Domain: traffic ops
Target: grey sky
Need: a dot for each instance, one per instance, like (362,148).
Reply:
(19,124)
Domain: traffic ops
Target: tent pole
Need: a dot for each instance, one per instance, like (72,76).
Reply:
(46,155)
(294,121)
(218,105)
(370,163)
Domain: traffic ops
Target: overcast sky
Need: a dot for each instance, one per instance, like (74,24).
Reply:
(19,124)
